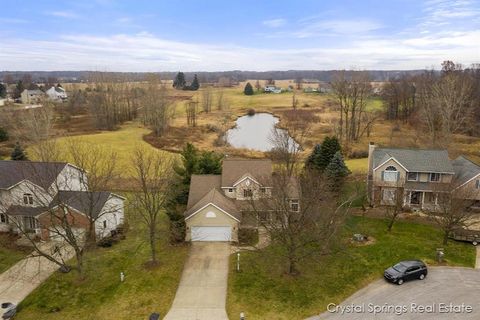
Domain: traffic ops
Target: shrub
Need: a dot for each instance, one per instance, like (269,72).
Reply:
(358,154)
(251,112)
(248,237)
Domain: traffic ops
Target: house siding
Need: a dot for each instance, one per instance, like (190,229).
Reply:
(221,219)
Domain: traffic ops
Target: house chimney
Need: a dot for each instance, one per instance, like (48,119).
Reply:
(371,148)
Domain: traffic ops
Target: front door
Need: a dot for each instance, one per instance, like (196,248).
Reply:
(416,198)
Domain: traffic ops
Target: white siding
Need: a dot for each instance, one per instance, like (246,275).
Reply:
(71,179)
(112,214)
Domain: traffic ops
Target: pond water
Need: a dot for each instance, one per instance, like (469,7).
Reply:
(253,132)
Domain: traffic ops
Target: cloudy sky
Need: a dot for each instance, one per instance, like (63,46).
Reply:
(187,35)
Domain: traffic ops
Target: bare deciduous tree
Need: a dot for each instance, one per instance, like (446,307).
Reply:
(191,111)
(453,207)
(207,99)
(352,90)
(153,173)
(158,109)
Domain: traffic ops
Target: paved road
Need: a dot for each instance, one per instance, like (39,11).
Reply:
(22,278)
(442,285)
(202,291)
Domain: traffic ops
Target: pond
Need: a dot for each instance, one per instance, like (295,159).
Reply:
(254,132)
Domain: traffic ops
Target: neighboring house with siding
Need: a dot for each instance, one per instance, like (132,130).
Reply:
(218,205)
(419,176)
(35,195)
(31,96)
(56,93)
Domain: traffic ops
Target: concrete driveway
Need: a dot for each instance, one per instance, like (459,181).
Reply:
(24,276)
(202,291)
(443,285)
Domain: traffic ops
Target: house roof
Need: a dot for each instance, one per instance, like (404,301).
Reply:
(42,174)
(233,169)
(415,160)
(87,202)
(200,185)
(215,197)
(25,211)
(465,169)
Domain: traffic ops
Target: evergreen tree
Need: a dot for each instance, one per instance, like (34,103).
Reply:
(3,134)
(195,85)
(210,163)
(179,82)
(18,153)
(323,154)
(18,89)
(189,166)
(248,91)
(336,171)
(3,90)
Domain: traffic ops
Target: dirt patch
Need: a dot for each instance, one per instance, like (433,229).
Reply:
(369,241)
(9,241)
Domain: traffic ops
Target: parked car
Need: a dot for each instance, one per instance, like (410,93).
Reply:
(405,271)
(467,235)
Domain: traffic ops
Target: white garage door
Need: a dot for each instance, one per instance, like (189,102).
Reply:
(211,233)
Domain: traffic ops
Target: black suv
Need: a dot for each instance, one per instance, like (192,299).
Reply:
(406,270)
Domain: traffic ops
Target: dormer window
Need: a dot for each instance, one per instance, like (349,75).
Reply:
(412,176)
(390,174)
(27,198)
(230,190)
(263,190)
(434,177)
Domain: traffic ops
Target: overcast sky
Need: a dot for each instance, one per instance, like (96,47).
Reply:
(128,35)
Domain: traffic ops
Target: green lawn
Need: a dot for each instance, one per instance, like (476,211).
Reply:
(102,295)
(9,253)
(262,291)
(357,166)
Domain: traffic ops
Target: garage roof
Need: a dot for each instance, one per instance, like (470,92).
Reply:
(215,197)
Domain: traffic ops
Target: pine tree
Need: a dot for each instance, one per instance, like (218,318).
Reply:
(195,85)
(248,91)
(18,153)
(323,153)
(336,171)
(179,82)
(3,134)
(3,90)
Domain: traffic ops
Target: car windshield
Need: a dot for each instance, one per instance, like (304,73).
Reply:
(400,267)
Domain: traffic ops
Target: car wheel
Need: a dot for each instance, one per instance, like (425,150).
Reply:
(422,276)
(400,282)
(475,243)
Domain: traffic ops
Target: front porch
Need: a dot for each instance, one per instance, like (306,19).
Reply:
(421,200)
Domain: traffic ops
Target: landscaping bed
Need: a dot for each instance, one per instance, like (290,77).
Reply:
(10,253)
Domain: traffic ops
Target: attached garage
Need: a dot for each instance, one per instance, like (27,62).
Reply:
(211,233)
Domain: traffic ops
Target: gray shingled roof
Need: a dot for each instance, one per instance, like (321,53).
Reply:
(464,169)
(40,173)
(234,169)
(87,202)
(415,160)
(25,211)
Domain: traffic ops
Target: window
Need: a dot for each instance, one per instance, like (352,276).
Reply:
(230,190)
(388,194)
(3,218)
(390,174)
(247,193)
(104,224)
(412,176)
(210,214)
(477,184)
(263,190)
(28,198)
(30,223)
(294,205)
(434,177)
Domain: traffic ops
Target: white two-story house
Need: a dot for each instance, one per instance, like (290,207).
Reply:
(32,193)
